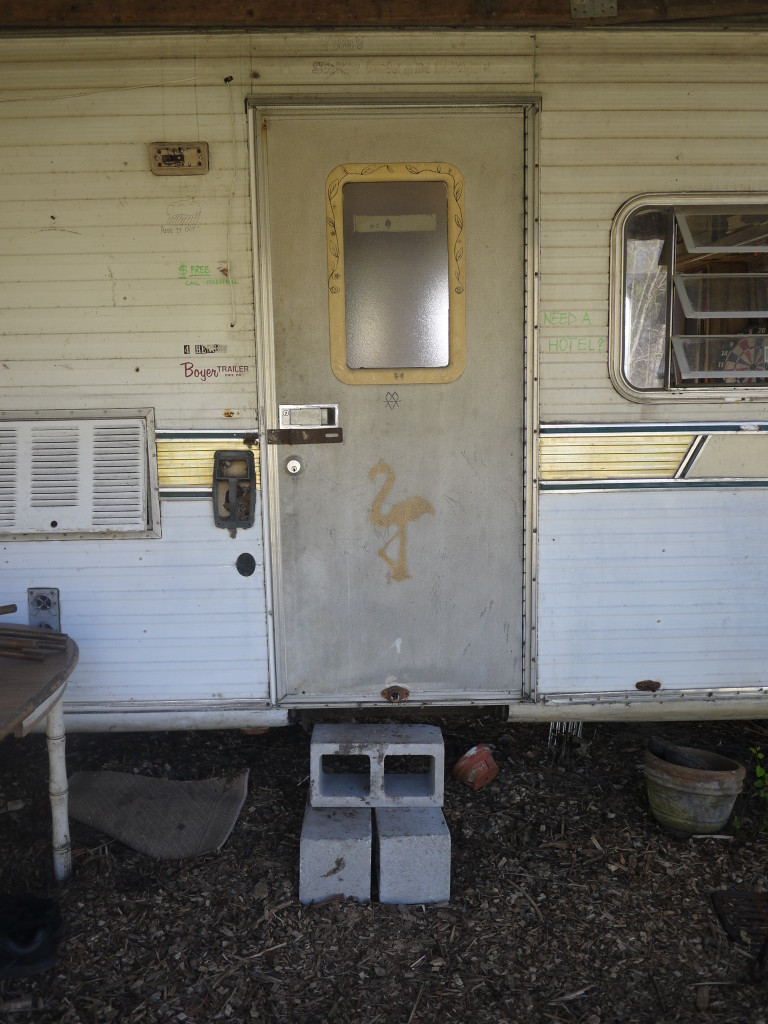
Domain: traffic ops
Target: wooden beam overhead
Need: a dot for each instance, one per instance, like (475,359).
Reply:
(254,15)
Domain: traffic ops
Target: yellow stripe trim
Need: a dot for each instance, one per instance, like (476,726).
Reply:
(612,456)
(189,463)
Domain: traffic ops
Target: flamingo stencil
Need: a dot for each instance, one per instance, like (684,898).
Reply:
(398,515)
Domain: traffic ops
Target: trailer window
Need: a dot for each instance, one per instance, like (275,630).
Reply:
(395,245)
(693,309)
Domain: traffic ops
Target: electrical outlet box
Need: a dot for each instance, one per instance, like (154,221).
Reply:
(178,157)
(44,608)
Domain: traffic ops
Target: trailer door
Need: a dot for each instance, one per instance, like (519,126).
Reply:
(391,253)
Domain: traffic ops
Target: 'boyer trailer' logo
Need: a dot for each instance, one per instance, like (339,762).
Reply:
(212,372)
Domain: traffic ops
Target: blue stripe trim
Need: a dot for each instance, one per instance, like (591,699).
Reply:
(555,429)
(203,435)
(185,492)
(650,485)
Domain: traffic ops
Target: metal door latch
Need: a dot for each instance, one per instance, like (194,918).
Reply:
(307,424)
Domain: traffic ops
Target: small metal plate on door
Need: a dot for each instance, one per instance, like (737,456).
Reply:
(310,417)
(307,424)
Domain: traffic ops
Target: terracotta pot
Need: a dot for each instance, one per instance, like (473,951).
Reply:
(691,791)
(476,768)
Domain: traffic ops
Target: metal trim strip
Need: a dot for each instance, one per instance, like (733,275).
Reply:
(669,427)
(184,435)
(694,452)
(659,697)
(676,483)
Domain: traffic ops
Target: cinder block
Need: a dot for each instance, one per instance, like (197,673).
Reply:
(413,855)
(380,786)
(335,854)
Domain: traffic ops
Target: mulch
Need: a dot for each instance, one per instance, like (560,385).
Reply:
(569,903)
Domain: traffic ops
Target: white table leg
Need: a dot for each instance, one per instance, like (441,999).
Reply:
(58,788)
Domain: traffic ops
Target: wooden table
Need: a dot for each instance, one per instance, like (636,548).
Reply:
(31,690)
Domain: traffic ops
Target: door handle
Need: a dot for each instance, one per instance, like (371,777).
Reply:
(307,424)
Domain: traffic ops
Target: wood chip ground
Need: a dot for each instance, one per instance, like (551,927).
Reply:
(569,904)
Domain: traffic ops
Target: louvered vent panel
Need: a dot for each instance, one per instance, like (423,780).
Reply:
(54,471)
(9,449)
(118,476)
(77,476)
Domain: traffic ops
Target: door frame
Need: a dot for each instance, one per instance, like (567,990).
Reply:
(257,109)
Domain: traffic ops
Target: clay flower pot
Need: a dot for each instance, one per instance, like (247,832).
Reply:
(476,768)
(691,792)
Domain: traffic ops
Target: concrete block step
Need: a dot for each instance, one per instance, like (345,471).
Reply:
(373,753)
(408,848)
(335,854)
(413,855)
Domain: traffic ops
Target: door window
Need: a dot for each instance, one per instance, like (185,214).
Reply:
(396,272)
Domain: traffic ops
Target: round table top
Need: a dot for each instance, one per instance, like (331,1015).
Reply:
(26,684)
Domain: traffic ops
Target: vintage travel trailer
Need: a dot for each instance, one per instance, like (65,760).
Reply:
(358,369)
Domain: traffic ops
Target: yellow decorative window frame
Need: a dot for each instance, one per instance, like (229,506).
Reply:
(342,175)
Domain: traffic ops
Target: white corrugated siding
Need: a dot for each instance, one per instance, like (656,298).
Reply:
(667,585)
(155,621)
(625,113)
(661,585)
(95,312)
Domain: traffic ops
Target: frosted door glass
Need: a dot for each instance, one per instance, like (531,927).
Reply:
(396,274)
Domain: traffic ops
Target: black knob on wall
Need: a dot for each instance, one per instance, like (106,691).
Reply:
(246,564)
